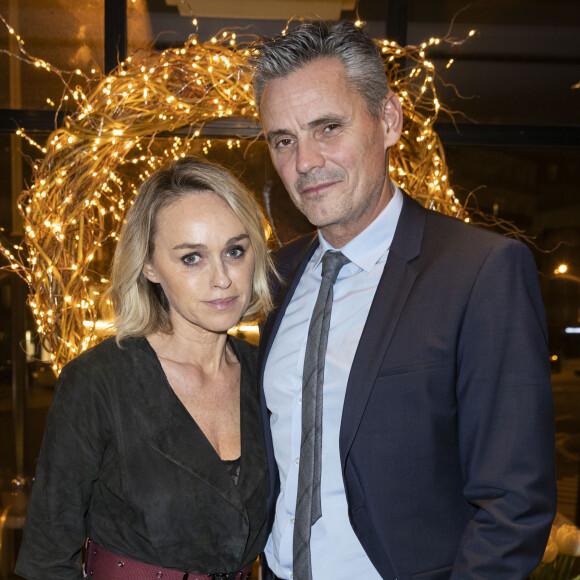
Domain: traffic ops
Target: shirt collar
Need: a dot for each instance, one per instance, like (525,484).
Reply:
(366,249)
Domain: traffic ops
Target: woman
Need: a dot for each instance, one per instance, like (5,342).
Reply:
(153,447)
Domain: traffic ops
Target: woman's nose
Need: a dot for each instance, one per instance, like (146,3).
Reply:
(220,276)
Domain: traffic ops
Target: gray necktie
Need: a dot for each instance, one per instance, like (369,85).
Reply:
(308,509)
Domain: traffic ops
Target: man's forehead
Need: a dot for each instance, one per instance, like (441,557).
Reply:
(321,69)
(305,98)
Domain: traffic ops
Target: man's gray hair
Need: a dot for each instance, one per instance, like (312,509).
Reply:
(283,54)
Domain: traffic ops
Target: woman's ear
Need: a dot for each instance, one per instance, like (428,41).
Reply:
(150,273)
(392,117)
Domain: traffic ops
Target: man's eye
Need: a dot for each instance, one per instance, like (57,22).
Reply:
(281,143)
(190,259)
(331,127)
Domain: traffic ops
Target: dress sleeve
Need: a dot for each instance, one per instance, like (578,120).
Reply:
(505,420)
(75,439)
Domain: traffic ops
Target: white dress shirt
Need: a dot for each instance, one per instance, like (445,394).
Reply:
(336,551)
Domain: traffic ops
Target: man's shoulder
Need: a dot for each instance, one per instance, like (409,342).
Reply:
(287,256)
(459,229)
(445,235)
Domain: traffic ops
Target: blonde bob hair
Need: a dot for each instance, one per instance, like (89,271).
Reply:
(139,305)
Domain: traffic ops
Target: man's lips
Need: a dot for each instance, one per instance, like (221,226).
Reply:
(318,188)
(222,303)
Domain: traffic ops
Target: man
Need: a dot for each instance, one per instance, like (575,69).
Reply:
(437,442)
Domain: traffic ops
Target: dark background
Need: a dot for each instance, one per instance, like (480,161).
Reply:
(514,150)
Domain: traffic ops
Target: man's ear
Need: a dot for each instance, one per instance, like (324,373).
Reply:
(392,117)
(150,273)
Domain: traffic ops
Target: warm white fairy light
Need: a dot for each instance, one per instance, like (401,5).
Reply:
(93,165)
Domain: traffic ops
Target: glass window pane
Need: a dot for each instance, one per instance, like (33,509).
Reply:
(520,67)
(536,191)
(67,34)
(164,24)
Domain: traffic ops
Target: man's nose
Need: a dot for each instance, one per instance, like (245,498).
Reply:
(309,156)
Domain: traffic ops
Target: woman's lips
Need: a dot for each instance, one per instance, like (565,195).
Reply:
(222,303)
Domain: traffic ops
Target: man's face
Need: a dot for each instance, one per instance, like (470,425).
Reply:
(328,150)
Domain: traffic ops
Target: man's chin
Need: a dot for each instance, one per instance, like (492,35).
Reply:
(319,221)
(317,215)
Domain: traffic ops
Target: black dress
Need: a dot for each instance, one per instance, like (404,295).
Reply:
(124,463)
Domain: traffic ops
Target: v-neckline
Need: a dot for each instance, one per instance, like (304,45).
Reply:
(173,394)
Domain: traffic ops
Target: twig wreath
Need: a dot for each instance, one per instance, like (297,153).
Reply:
(92,165)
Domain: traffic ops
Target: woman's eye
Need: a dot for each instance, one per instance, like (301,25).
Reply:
(236,252)
(190,259)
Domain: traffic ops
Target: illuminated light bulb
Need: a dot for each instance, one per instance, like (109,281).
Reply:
(147,84)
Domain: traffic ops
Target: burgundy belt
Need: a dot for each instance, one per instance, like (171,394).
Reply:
(104,565)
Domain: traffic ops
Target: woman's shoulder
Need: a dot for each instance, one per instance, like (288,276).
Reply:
(105,360)
(247,355)
(245,351)
(102,373)
(106,351)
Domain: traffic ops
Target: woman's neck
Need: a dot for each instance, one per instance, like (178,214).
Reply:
(206,350)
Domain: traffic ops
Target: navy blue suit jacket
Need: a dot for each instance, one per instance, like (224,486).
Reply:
(447,432)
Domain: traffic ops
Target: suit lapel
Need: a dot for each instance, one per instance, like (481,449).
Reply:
(390,297)
(294,261)
(291,261)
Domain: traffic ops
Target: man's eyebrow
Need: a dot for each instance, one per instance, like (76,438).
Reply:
(325,120)
(276,133)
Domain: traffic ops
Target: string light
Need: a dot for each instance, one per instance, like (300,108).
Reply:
(92,166)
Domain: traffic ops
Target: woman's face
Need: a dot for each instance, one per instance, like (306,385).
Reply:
(204,262)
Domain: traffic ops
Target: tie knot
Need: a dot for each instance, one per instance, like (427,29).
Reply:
(332,262)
